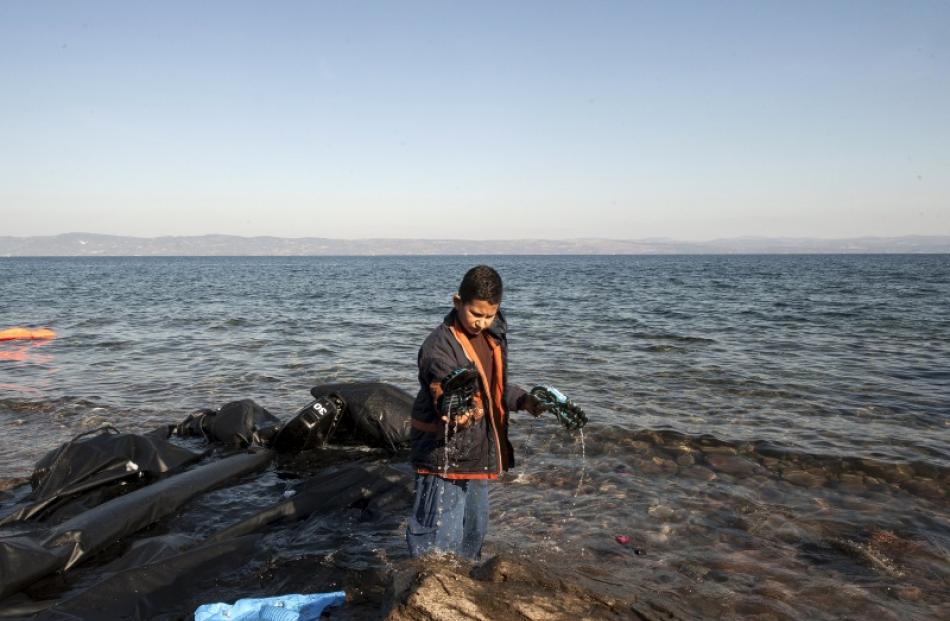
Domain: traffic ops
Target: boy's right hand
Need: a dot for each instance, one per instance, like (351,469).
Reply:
(457,404)
(462,420)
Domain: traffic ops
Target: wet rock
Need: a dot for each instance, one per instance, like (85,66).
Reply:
(503,589)
(699,472)
(648,466)
(505,569)
(680,448)
(858,503)
(756,611)
(686,459)
(785,530)
(695,571)
(662,512)
(851,482)
(711,607)
(659,538)
(773,589)
(893,544)
(928,488)
(739,562)
(666,466)
(873,483)
(802,478)
(758,480)
(874,467)
(730,464)
(895,473)
(718,450)
(869,554)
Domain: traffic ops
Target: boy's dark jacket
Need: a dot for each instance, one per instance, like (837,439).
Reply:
(472,450)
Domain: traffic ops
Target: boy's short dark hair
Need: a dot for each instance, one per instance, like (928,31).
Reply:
(481,283)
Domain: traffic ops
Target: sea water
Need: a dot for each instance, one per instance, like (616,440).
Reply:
(771,432)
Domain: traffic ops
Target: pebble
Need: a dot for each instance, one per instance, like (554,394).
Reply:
(719,450)
(789,533)
(699,472)
(898,473)
(730,464)
(695,571)
(851,482)
(928,488)
(802,478)
(686,459)
(770,462)
(666,465)
(647,466)
(661,512)
(774,589)
(658,538)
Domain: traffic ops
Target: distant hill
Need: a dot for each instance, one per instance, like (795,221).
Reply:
(90,244)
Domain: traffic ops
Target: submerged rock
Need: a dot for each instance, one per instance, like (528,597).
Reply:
(928,488)
(699,472)
(803,479)
(685,460)
(730,464)
(851,482)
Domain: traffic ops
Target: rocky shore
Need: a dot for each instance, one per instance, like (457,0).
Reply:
(504,588)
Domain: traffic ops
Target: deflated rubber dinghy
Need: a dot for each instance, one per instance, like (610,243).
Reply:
(375,413)
(87,469)
(100,508)
(27,558)
(238,424)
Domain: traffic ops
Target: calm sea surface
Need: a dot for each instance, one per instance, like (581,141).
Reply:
(772,432)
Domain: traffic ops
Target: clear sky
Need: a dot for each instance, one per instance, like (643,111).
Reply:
(475,119)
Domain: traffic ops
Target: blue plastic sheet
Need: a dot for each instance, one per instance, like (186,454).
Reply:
(281,608)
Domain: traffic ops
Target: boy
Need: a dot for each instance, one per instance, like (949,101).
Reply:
(455,456)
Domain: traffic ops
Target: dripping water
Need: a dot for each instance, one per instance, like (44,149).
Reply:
(580,482)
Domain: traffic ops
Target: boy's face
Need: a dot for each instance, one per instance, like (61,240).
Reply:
(476,315)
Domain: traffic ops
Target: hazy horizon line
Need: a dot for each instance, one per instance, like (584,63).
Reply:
(652,238)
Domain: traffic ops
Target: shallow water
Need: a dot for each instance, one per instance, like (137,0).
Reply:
(770,432)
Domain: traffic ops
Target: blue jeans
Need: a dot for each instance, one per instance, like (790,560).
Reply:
(448,516)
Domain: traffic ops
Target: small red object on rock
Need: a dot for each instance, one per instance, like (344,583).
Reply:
(622,539)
